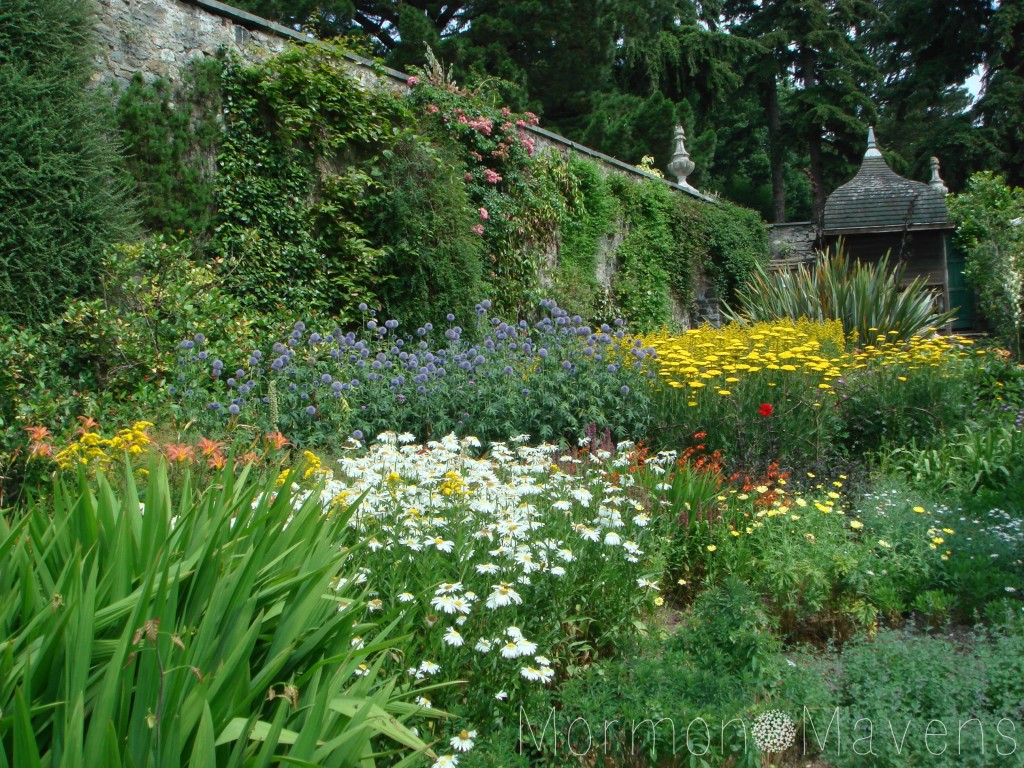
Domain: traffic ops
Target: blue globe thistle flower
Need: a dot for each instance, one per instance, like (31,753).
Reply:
(362,306)
(310,410)
(233,409)
(450,317)
(187,344)
(357,434)
(200,338)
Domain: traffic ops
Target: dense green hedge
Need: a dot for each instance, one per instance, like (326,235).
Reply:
(61,192)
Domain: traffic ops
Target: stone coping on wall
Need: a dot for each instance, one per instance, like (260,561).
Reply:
(253,22)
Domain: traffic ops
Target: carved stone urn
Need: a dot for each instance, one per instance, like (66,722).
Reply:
(681,165)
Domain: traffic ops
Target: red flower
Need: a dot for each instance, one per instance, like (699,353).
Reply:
(766,409)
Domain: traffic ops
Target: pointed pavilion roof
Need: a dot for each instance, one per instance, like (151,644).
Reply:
(879,200)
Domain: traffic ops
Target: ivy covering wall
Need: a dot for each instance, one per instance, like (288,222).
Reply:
(310,193)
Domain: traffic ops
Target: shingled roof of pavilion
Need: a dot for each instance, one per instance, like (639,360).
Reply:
(879,200)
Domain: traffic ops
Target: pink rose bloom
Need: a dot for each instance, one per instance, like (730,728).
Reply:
(413,80)
(432,109)
(491,177)
(484,214)
(469,177)
(479,229)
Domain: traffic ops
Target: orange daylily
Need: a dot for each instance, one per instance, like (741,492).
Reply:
(179,452)
(210,447)
(38,434)
(88,423)
(277,440)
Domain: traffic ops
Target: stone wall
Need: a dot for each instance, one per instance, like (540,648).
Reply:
(791,243)
(158,38)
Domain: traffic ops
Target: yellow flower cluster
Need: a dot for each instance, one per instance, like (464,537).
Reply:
(453,484)
(721,357)
(94,451)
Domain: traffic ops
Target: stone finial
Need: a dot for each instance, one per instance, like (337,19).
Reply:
(680,165)
(872,147)
(936,180)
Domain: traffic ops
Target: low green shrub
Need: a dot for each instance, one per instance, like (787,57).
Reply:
(897,702)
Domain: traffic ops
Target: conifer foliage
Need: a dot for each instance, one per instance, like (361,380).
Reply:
(60,190)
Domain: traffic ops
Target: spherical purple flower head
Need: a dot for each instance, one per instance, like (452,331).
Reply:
(362,306)
(421,389)
(187,344)
(391,324)
(172,390)
(326,379)
(217,365)
(567,365)
(279,348)
(479,360)
(355,382)
(624,390)
(542,353)
(299,326)
(507,370)
(372,377)
(357,434)
(364,352)
(232,381)
(278,364)
(465,365)
(233,409)
(450,317)
(479,308)
(421,331)
(314,338)
(525,391)
(451,335)
(486,303)
(310,410)
(200,338)
(189,392)
(371,324)
(213,406)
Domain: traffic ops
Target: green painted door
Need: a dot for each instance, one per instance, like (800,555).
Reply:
(961,294)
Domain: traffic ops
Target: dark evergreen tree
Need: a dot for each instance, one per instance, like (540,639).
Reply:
(1001,105)
(61,191)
